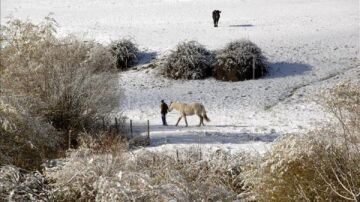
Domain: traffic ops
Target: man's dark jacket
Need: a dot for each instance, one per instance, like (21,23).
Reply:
(164,108)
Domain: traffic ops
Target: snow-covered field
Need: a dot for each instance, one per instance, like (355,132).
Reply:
(311,45)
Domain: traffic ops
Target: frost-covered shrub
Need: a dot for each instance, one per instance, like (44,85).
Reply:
(139,141)
(323,165)
(146,176)
(75,181)
(102,141)
(49,86)
(126,53)
(57,79)
(235,62)
(25,140)
(308,167)
(189,60)
(99,155)
(19,185)
(100,58)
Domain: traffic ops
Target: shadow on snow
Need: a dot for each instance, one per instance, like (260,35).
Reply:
(208,137)
(146,57)
(242,25)
(161,135)
(284,69)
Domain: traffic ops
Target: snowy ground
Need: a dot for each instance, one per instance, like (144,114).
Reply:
(310,44)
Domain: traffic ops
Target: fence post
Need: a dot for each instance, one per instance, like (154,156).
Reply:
(116,125)
(177,155)
(69,139)
(110,128)
(148,129)
(103,122)
(131,128)
(254,60)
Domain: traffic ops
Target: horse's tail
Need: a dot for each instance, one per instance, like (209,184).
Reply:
(206,118)
(204,115)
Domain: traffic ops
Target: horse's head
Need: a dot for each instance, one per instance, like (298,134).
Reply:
(217,12)
(171,106)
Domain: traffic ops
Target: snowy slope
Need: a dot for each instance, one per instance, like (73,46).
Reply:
(310,45)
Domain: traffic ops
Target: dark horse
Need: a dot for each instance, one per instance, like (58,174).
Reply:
(216,17)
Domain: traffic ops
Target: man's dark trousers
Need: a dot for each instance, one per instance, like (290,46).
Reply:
(163,117)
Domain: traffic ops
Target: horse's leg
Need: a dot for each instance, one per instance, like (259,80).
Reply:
(185,121)
(178,121)
(202,120)
(200,117)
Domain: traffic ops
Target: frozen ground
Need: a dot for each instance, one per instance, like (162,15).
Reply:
(310,44)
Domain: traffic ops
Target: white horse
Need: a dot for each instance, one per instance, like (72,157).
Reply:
(189,110)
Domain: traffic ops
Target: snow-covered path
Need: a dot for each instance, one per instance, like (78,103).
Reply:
(310,44)
(246,123)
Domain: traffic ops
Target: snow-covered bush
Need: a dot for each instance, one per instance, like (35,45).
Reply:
(323,165)
(25,140)
(76,180)
(235,62)
(147,176)
(189,60)
(100,58)
(19,185)
(102,141)
(58,79)
(126,53)
(24,146)
(46,84)
(139,141)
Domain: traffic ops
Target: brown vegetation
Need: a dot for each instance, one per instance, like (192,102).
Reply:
(48,87)
(237,60)
(190,60)
(323,165)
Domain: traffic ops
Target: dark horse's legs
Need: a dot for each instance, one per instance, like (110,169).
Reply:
(178,121)
(201,120)
(216,22)
(185,121)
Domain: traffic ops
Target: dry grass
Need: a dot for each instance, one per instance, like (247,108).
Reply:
(19,185)
(57,78)
(323,165)
(49,83)
(147,176)
(25,140)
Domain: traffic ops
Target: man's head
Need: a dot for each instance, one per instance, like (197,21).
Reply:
(162,101)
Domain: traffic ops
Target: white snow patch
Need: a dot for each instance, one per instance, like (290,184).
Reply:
(310,45)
